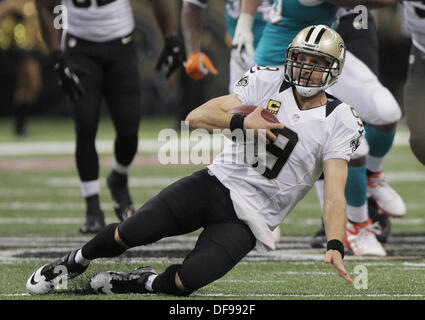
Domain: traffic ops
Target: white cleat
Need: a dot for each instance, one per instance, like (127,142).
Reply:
(38,284)
(388,200)
(54,275)
(113,282)
(360,238)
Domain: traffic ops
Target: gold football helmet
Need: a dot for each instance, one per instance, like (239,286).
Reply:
(317,40)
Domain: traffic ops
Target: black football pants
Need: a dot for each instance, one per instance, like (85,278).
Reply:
(196,201)
(111,74)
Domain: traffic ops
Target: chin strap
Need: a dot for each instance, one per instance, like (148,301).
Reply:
(308,91)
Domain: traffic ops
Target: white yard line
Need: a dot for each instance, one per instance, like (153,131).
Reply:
(279,295)
(65,147)
(102,146)
(52,221)
(106,146)
(44,206)
(134,181)
(161,181)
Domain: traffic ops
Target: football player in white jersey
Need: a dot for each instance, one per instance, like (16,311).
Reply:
(245,24)
(236,204)
(414,90)
(359,86)
(98,61)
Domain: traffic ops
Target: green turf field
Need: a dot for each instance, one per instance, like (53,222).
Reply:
(41,210)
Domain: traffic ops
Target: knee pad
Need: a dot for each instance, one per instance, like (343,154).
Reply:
(387,107)
(359,87)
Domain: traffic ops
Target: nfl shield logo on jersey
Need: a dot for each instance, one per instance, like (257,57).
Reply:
(295,117)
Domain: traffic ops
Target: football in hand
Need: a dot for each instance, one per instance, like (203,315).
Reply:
(247,109)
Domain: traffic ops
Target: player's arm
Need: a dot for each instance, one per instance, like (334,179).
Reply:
(69,76)
(51,35)
(192,23)
(172,54)
(250,6)
(243,39)
(214,115)
(198,65)
(368,3)
(334,214)
(164,16)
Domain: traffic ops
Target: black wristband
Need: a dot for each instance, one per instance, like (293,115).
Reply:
(172,41)
(335,244)
(237,121)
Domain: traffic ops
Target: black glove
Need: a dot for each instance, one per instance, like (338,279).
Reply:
(69,75)
(171,55)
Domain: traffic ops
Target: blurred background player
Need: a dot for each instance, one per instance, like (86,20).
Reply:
(19,37)
(245,24)
(414,90)
(362,42)
(197,64)
(244,30)
(359,87)
(98,61)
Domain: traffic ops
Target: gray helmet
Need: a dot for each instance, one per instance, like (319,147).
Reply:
(318,40)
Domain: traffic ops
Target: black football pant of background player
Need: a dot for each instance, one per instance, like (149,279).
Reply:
(112,74)
(414,102)
(193,202)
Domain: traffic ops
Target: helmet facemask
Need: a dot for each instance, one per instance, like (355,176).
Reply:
(306,86)
(322,42)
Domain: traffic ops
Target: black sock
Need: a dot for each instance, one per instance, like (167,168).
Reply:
(166,283)
(93,203)
(103,245)
(118,178)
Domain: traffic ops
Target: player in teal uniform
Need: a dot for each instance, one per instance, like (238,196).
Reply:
(359,87)
(246,31)
(282,28)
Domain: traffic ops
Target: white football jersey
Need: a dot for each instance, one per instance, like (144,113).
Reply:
(99,20)
(294,161)
(414,13)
